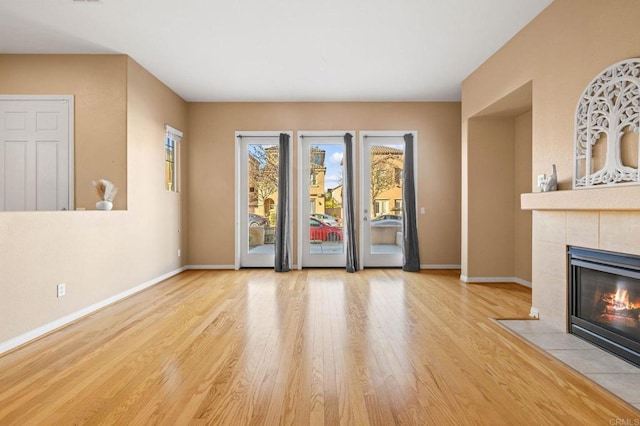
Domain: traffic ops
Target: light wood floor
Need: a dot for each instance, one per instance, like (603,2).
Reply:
(307,347)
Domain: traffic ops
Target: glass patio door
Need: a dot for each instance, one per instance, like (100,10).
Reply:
(257,202)
(381,195)
(321,219)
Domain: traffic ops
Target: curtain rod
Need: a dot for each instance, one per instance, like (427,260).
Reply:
(258,136)
(381,136)
(322,136)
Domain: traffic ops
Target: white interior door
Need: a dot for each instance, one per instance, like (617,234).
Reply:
(321,238)
(257,155)
(36,153)
(382,157)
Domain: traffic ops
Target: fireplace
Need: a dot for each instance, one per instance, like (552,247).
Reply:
(604,300)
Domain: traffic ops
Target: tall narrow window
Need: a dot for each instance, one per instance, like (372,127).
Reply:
(171,158)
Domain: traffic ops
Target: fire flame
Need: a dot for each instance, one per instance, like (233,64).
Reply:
(620,306)
(621,299)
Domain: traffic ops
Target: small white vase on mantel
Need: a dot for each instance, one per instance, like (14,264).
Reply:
(104,205)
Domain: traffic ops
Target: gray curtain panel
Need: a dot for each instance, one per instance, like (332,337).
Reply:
(411,254)
(282,263)
(349,209)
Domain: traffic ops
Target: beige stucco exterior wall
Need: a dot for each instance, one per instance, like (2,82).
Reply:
(98,84)
(212,128)
(98,254)
(560,52)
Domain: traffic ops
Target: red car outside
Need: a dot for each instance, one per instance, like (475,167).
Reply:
(322,231)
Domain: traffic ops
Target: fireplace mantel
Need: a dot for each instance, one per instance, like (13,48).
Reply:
(612,198)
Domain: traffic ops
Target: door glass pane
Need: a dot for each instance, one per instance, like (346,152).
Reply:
(385,192)
(263,197)
(325,194)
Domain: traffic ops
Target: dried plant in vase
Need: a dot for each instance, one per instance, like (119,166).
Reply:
(106,191)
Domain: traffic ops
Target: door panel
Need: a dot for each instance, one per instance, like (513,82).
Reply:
(47,176)
(258,157)
(35,150)
(14,173)
(322,240)
(261,184)
(381,194)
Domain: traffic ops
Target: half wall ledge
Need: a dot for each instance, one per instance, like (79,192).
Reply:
(617,198)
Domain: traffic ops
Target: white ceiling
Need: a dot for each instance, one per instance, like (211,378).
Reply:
(280,50)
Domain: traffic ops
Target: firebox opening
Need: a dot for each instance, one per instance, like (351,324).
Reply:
(605,300)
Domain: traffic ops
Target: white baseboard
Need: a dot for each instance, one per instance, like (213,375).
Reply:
(480,280)
(439,266)
(190,267)
(61,322)
(522,282)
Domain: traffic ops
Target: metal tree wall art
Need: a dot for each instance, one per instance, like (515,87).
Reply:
(609,107)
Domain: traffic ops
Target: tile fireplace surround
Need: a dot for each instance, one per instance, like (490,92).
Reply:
(604,219)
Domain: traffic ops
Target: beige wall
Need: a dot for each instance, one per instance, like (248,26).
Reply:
(499,169)
(98,84)
(491,197)
(212,128)
(162,215)
(560,52)
(496,170)
(523,221)
(98,254)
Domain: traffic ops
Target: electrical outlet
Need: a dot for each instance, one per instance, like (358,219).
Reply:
(61,289)
(534,313)
(178,252)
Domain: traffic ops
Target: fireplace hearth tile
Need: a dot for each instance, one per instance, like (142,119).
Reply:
(557,341)
(594,361)
(529,326)
(623,385)
(571,351)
